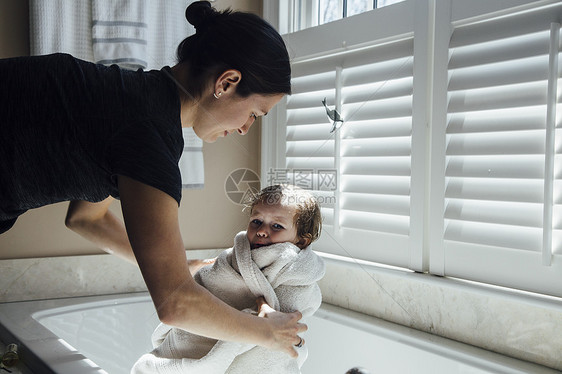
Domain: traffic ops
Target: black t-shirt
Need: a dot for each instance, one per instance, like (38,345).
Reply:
(69,127)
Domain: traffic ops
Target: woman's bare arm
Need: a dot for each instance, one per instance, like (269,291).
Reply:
(151,219)
(95,222)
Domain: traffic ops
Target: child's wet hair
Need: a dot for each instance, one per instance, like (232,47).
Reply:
(357,370)
(308,219)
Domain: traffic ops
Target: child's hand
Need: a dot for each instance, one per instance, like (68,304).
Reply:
(196,265)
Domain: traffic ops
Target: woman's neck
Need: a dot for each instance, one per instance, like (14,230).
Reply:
(188,103)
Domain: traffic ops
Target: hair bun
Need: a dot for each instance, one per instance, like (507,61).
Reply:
(200,14)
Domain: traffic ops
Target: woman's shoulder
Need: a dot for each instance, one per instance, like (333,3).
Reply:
(38,61)
(55,58)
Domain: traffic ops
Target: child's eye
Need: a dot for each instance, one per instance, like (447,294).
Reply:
(256,222)
(254,115)
(277,226)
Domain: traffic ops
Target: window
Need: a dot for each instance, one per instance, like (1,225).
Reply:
(448,160)
(332,10)
(309,13)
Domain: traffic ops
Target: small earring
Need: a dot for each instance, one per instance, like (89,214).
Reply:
(217,95)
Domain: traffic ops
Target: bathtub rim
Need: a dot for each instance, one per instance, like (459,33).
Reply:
(36,348)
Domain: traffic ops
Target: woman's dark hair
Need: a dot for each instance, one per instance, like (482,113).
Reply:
(234,40)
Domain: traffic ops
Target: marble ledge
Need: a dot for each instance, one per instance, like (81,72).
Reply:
(72,276)
(527,327)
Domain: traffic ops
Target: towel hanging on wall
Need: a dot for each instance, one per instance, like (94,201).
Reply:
(68,27)
(119,33)
(61,26)
(191,161)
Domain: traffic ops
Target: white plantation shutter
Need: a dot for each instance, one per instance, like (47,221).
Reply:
(450,156)
(369,157)
(495,153)
(375,152)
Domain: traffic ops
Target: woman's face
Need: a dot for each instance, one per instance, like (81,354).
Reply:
(230,113)
(270,224)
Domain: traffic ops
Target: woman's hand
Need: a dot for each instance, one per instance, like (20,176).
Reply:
(285,327)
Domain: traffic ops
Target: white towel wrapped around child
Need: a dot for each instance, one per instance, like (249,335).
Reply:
(287,278)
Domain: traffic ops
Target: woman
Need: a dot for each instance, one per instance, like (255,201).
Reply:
(72,130)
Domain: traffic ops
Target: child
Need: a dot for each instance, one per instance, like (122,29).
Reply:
(270,259)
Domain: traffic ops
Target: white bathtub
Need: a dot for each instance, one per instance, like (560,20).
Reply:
(107,335)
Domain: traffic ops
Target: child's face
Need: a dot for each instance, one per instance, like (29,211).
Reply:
(271,224)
